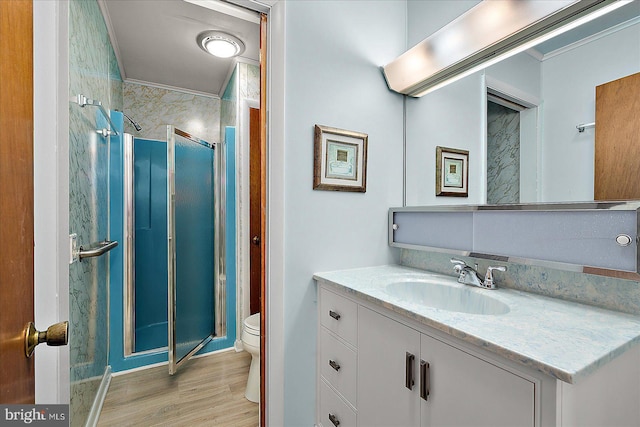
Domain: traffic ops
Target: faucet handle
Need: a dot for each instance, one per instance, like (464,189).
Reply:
(488,278)
(459,265)
(457,261)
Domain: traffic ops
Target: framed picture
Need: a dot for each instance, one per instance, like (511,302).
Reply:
(339,160)
(452,172)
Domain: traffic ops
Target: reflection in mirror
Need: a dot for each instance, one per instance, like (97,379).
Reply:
(532,102)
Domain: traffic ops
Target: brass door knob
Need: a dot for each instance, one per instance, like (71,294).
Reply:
(55,335)
(256,240)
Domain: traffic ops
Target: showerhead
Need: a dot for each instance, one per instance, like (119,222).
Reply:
(134,123)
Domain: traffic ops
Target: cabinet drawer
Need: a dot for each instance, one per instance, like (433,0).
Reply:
(338,365)
(333,411)
(339,315)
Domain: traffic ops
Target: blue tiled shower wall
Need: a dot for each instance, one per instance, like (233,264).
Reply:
(153,312)
(150,207)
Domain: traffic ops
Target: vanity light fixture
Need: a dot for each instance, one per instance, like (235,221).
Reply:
(446,56)
(220,44)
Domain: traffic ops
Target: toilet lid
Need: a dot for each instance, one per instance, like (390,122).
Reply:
(253,322)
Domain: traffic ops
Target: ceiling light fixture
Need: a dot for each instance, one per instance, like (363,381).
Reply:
(220,44)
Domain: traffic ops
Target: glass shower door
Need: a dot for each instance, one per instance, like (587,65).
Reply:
(193,196)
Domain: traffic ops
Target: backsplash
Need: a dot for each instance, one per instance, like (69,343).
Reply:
(600,291)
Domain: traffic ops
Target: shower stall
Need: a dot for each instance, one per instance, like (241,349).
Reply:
(172,300)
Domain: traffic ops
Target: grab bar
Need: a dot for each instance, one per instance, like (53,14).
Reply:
(82,100)
(100,249)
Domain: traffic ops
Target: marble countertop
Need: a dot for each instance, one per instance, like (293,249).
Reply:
(563,339)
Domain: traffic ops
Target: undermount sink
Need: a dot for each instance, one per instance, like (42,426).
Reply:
(446,297)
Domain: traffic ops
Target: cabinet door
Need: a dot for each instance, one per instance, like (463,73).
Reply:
(382,396)
(467,391)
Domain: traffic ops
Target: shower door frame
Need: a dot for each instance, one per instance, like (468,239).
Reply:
(219,279)
(220,297)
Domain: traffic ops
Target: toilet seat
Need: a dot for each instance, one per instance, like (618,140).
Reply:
(252,324)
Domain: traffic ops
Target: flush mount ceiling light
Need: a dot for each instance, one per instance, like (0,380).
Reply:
(220,44)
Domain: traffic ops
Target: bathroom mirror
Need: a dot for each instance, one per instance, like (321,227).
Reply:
(543,94)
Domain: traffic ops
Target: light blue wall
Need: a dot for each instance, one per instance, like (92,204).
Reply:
(568,90)
(426,17)
(93,72)
(333,53)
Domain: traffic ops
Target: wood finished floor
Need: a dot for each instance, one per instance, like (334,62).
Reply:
(208,391)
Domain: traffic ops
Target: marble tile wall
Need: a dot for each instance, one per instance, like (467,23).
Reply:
(244,84)
(249,85)
(503,154)
(93,72)
(614,294)
(154,108)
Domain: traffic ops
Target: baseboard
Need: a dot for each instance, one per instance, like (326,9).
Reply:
(98,401)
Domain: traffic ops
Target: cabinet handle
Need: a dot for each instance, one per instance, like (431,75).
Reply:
(425,380)
(334,365)
(408,377)
(334,420)
(334,315)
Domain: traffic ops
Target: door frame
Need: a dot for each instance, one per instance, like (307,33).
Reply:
(243,235)
(273,300)
(530,135)
(51,193)
(52,120)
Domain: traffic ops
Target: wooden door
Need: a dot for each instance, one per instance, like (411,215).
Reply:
(17,383)
(617,148)
(255,210)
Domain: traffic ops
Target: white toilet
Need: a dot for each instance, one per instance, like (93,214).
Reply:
(251,343)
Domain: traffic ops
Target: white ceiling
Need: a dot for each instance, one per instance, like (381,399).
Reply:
(155,42)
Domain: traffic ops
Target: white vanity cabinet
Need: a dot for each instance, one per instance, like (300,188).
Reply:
(407,378)
(376,367)
(371,370)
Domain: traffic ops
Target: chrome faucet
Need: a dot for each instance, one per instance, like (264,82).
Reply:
(469,275)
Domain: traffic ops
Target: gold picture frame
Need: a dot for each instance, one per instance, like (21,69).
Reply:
(339,160)
(452,172)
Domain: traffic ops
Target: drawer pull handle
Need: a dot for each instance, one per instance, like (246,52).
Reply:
(334,315)
(334,365)
(408,377)
(334,420)
(425,380)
